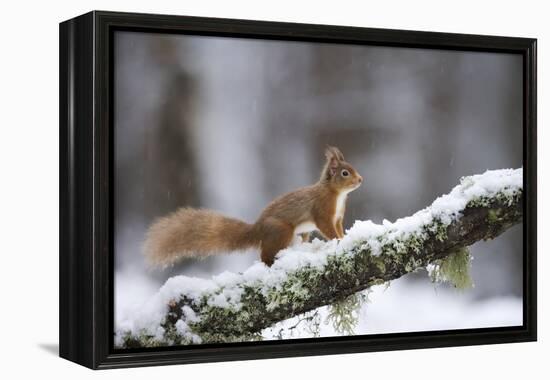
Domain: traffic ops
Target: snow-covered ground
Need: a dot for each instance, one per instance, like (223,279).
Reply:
(404,306)
(407,306)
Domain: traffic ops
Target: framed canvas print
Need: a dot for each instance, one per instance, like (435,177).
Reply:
(236,189)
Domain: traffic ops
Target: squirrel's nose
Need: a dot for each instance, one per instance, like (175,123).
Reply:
(360,179)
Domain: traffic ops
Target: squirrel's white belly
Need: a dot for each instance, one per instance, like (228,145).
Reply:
(305,227)
(340,205)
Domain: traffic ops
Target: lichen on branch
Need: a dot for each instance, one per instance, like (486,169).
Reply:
(454,269)
(238,306)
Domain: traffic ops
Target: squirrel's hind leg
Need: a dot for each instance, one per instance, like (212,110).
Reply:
(277,235)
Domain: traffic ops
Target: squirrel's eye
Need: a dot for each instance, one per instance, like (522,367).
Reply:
(345,173)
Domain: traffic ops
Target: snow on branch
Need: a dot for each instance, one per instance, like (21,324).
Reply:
(238,306)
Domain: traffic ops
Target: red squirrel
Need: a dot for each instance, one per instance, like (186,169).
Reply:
(196,233)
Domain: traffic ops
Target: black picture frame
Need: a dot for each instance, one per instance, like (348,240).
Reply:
(86,189)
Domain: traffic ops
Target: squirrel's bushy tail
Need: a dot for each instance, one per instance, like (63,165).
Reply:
(192,233)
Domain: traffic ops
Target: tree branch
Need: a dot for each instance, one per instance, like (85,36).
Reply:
(236,307)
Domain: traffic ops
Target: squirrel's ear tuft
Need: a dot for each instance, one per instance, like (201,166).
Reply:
(333,152)
(334,156)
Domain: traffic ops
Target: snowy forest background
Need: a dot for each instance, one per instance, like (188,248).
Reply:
(229,124)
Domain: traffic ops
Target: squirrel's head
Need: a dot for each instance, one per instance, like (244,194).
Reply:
(338,172)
